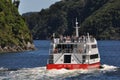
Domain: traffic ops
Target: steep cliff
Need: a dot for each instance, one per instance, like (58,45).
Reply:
(14,33)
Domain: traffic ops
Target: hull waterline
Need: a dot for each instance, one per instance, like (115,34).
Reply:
(73,66)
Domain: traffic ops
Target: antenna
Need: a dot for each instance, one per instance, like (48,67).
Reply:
(77,31)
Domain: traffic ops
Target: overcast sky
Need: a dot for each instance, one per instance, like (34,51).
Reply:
(34,5)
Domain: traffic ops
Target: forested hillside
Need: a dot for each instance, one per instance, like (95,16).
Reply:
(100,18)
(14,33)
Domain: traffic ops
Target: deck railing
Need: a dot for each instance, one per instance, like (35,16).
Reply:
(74,40)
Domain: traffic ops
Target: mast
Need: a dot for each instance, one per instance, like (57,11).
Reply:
(88,36)
(77,31)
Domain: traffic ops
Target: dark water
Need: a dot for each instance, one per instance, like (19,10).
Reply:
(30,65)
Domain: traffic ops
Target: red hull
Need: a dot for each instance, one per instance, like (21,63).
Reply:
(73,66)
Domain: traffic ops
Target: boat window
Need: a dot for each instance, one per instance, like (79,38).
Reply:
(75,46)
(67,58)
(94,56)
(94,46)
(84,58)
(67,48)
(58,46)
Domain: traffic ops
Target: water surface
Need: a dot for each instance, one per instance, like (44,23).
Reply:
(30,65)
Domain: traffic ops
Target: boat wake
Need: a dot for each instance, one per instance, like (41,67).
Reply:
(40,73)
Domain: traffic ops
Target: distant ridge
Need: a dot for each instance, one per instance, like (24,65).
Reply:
(100,18)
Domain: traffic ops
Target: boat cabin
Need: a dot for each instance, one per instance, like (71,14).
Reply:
(74,52)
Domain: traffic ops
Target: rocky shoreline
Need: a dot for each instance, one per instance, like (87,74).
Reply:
(15,48)
(15,35)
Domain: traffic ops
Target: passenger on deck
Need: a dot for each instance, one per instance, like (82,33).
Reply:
(68,39)
(61,38)
(64,39)
(72,38)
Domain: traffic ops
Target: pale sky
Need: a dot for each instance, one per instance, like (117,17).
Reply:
(34,5)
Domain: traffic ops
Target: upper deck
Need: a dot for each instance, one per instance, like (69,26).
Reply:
(73,44)
(74,40)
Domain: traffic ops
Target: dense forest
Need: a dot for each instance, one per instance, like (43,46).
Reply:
(101,18)
(14,33)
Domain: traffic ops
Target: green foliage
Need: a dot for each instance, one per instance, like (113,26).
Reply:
(105,22)
(100,18)
(13,29)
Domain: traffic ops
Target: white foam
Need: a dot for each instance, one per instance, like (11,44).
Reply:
(1,69)
(108,67)
(40,73)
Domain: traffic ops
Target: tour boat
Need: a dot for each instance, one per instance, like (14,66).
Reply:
(73,52)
